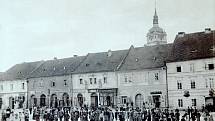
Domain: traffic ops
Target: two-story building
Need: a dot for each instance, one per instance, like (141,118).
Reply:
(13,85)
(190,70)
(95,80)
(142,77)
(51,84)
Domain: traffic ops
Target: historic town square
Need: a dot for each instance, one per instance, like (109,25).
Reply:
(115,60)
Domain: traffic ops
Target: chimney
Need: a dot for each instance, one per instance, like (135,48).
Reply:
(75,55)
(181,34)
(207,30)
(109,53)
(55,58)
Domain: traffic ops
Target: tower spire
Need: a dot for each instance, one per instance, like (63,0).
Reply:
(155,19)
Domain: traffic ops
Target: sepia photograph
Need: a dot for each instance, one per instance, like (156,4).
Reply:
(107,60)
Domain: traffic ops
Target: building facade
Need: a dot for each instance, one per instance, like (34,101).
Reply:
(13,94)
(13,85)
(190,70)
(142,77)
(51,83)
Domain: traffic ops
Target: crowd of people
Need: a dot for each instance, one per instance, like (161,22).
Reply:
(106,114)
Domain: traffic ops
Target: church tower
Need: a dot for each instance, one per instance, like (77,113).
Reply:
(156,34)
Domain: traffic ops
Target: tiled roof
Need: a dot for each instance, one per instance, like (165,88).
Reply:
(20,71)
(193,46)
(146,57)
(57,67)
(98,62)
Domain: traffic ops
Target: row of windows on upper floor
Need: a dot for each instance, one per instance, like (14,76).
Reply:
(93,81)
(129,79)
(180,102)
(209,66)
(208,84)
(12,87)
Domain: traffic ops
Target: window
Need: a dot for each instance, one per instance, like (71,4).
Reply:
(180,103)
(65,82)
(94,80)
(81,81)
(23,85)
(2,88)
(211,82)
(178,68)
(105,80)
(193,84)
(126,79)
(124,99)
(179,84)
(91,81)
(53,84)
(156,76)
(191,67)
(206,83)
(193,102)
(211,66)
(11,87)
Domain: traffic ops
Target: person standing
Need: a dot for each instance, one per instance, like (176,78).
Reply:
(177,115)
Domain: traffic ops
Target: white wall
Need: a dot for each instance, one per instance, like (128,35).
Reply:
(199,74)
(6,91)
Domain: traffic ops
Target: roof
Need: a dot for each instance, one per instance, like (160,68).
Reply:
(193,46)
(146,57)
(103,61)
(57,67)
(20,71)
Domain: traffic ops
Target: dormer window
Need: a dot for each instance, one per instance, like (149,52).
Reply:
(54,68)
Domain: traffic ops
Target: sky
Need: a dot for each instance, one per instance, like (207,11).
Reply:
(34,30)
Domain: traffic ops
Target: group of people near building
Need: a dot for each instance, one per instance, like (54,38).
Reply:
(106,114)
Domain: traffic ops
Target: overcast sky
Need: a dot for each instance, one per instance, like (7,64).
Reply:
(32,30)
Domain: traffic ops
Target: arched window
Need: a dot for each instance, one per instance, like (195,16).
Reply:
(42,100)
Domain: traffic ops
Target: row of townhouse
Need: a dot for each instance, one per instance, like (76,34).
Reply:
(174,75)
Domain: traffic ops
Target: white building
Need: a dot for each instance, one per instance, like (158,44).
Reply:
(142,77)
(95,81)
(13,85)
(190,70)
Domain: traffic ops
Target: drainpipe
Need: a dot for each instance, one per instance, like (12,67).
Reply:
(71,89)
(27,93)
(167,92)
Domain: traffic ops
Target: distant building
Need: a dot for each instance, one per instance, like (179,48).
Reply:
(190,70)
(156,35)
